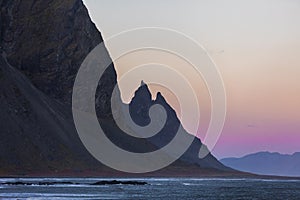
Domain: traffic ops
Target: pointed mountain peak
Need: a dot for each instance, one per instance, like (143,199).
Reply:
(160,97)
(142,94)
(142,83)
(159,94)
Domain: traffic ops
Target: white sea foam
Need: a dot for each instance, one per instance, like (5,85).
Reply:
(57,195)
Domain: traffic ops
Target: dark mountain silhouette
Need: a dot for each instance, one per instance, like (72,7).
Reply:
(43,44)
(267,163)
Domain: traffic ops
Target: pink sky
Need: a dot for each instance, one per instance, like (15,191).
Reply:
(256,46)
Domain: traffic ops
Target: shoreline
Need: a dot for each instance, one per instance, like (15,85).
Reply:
(137,177)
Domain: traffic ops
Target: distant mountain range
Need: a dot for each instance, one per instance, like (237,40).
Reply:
(267,163)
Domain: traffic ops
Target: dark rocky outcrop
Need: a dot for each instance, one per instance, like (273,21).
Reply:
(139,110)
(43,44)
(115,182)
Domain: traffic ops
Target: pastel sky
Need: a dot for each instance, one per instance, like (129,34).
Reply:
(254,43)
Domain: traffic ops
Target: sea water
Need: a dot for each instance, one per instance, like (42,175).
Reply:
(157,188)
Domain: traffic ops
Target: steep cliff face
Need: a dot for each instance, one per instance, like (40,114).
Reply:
(43,44)
(48,40)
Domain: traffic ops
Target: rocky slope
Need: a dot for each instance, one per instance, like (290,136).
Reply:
(43,44)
